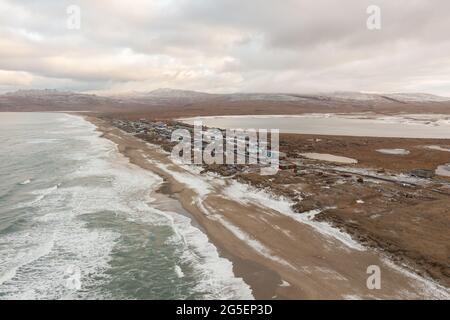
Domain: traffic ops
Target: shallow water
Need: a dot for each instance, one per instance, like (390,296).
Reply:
(329,158)
(399,152)
(414,126)
(438,148)
(77,220)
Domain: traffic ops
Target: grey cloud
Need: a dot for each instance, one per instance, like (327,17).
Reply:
(252,45)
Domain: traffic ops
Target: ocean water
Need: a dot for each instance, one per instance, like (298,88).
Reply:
(78,221)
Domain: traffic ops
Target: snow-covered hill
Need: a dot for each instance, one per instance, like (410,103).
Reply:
(65,100)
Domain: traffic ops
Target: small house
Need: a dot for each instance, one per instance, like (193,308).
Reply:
(423,173)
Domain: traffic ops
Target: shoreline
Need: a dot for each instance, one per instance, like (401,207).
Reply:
(263,287)
(261,280)
(274,271)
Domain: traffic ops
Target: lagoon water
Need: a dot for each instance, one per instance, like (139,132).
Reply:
(77,220)
(364,125)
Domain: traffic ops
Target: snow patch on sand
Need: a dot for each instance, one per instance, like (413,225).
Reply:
(250,241)
(198,184)
(401,178)
(428,287)
(443,170)
(285,284)
(246,194)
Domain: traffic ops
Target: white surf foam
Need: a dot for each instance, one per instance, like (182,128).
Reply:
(9,267)
(216,275)
(179,271)
(43,141)
(34,262)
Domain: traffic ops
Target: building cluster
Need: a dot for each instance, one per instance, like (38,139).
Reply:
(161,132)
(142,126)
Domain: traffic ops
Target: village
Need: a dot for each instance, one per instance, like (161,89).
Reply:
(355,196)
(302,176)
(161,132)
(248,155)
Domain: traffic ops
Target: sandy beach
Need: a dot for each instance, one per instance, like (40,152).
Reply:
(278,253)
(221,151)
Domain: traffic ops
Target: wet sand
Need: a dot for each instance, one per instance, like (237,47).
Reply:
(278,256)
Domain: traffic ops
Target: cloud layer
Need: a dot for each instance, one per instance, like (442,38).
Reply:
(226,45)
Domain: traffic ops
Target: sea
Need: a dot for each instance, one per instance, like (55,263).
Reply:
(78,221)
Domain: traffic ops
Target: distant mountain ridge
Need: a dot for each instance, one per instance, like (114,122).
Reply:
(164,98)
(169,93)
(52,100)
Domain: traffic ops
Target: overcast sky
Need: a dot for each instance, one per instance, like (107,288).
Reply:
(226,46)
